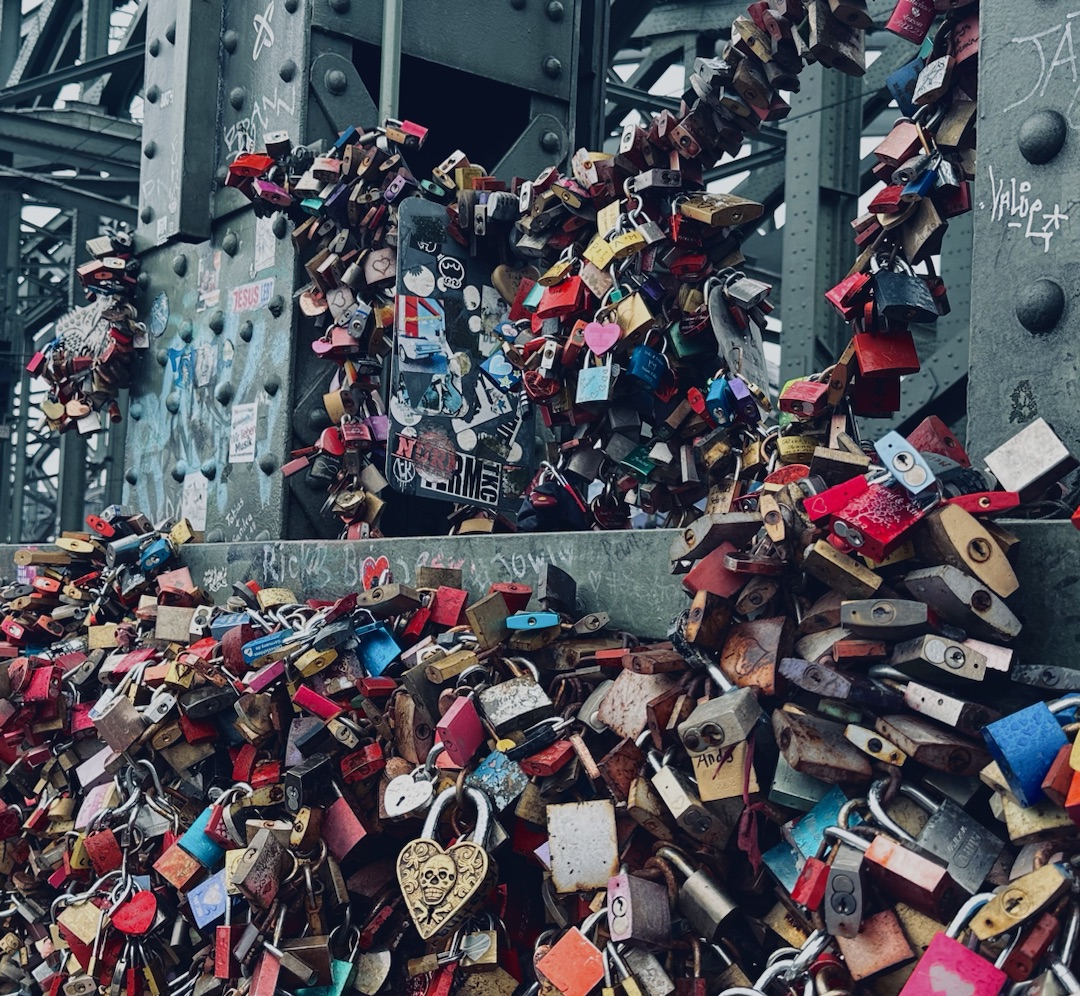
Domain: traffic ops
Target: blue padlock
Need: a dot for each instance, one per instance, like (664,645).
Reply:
(208,899)
(905,463)
(719,403)
(500,777)
(647,365)
(784,861)
(532,620)
(901,84)
(220,625)
(1025,743)
(920,186)
(532,299)
(258,650)
(155,555)
(194,840)
(377,650)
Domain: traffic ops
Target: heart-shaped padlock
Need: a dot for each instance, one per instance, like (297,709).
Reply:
(442,886)
(601,336)
(135,916)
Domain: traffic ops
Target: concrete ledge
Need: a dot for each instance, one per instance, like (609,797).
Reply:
(623,573)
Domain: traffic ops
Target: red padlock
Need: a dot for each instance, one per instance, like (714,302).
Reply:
(911,19)
(875,522)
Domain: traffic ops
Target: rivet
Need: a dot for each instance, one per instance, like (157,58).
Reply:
(215,535)
(287,70)
(172,402)
(276,304)
(170,33)
(555,10)
(152,93)
(552,67)
(550,142)
(517,4)
(187,330)
(236,97)
(142,281)
(230,243)
(1042,136)
(154,48)
(150,149)
(179,264)
(135,411)
(336,81)
(246,330)
(209,469)
(146,215)
(1040,305)
(279,226)
(131,476)
(217,322)
(272,385)
(267,463)
(318,419)
(179,470)
(229,40)
(162,357)
(223,392)
(291,6)
(339,6)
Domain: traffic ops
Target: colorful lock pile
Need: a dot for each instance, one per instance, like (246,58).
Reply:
(610,300)
(88,360)
(834,767)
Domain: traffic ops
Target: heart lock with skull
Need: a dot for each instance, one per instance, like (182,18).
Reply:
(444,886)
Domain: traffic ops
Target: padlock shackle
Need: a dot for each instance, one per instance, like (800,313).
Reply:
(1066,702)
(877,807)
(676,858)
(966,912)
(849,838)
(442,800)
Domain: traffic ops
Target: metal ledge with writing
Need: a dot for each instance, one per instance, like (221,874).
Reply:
(623,573)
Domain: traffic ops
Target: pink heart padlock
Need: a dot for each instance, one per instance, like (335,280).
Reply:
(601,336)
(135,916)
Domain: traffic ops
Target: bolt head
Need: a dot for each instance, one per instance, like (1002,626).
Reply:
(550,142)
(552,67)
(1042,136)
(1040,305)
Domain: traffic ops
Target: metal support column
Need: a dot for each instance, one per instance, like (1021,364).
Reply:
(390,67)
(821,185)
(1025,281)
(11,345)
(94,41)
(72,481)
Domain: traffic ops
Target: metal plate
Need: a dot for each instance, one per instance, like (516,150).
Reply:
(530,45)
(1025,261)
(182,43)
(193,450)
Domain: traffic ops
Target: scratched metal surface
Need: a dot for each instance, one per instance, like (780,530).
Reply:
(1023,230)
(220,312)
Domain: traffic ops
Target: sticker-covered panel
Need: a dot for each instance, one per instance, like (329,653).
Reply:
(459,430)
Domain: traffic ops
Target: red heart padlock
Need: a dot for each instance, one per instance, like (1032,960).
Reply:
(135,916)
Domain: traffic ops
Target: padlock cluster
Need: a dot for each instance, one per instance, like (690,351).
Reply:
(926,163)
(621,296)
(833,767)
(88,361)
